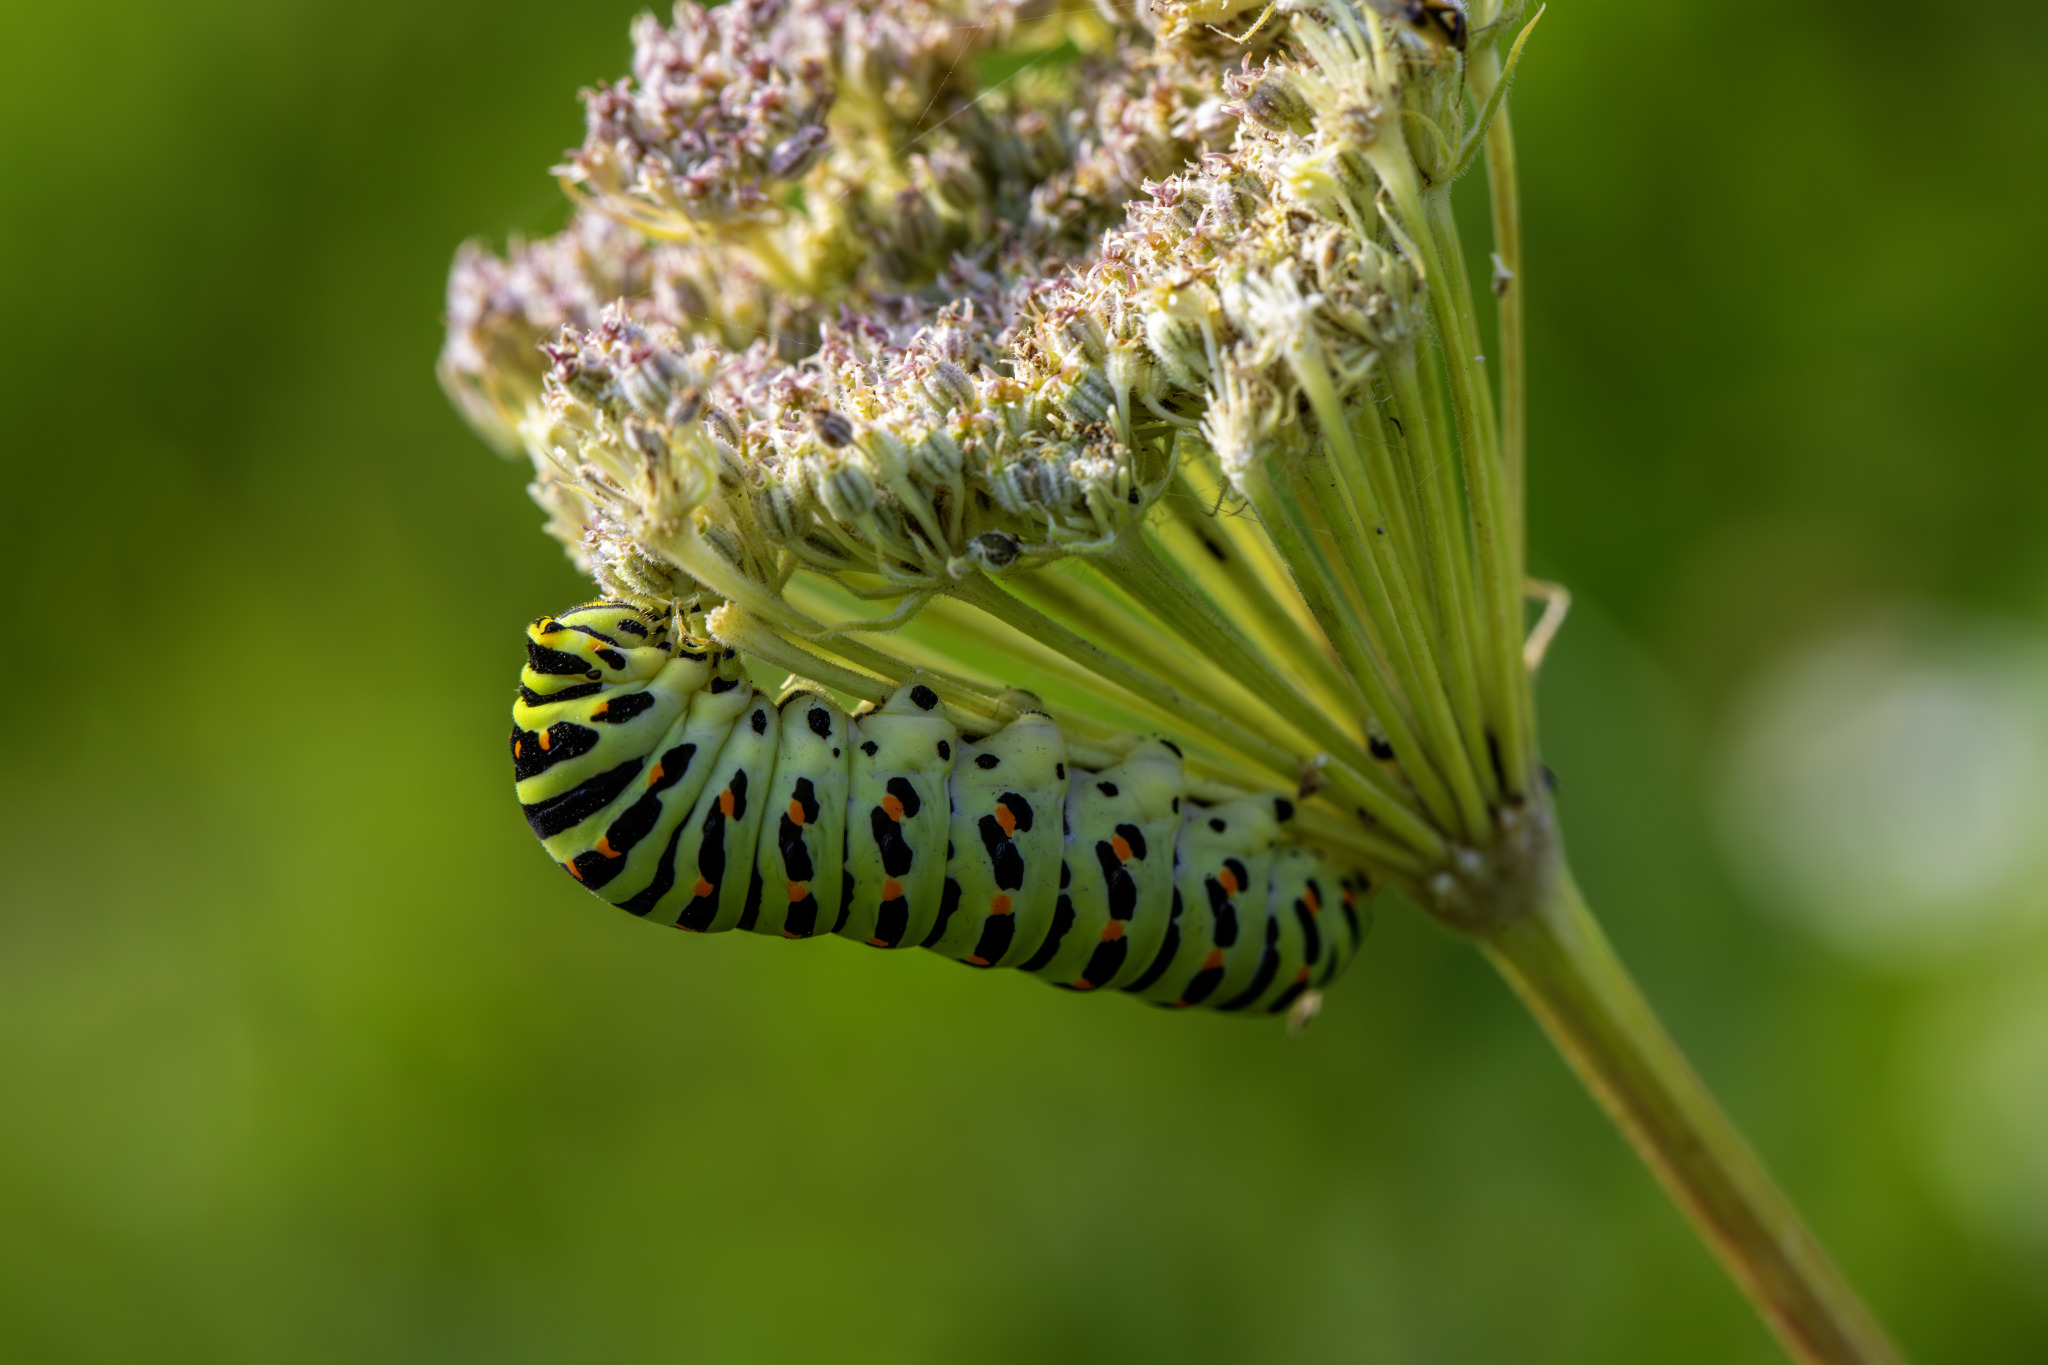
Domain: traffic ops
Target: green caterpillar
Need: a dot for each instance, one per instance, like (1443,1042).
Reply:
(660,779)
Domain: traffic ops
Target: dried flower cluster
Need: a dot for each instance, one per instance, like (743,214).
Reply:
(1104,352)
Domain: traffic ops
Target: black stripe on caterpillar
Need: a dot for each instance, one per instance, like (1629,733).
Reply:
(660,779)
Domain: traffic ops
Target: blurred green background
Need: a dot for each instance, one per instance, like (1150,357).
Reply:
(306,1054)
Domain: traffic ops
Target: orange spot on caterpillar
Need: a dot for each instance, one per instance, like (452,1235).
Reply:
(573,871)
(604,846)
(702,888)
(977,961)
(1301,976)
(1315,903)
(547,741)
(518,748)
(892,890)
(654,776)
(725,803)
(1213,960)
(798,890)
(1083,985)
(1005,819)
(1112,931)
(598,710)
(1122,847)
(1000,905)
(892,808)
(878,943)
(796,812)
(1228,881)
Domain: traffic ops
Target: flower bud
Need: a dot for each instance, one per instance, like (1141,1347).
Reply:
(1131,369)
(724,544)
(1277,103)
(847,492)
(623,569)
(684,407)
(887,459)
(645,438)
(798,152)
(1034,486)
(949,385)
(936,460)
(887,522)
(650,381)
(721,429)
(1090,399)
(783,512)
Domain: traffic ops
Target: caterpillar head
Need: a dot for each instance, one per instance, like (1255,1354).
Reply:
(605,643)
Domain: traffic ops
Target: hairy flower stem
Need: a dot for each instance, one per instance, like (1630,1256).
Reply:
(1559,962)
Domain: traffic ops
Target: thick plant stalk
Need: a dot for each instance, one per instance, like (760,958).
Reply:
(1561,964)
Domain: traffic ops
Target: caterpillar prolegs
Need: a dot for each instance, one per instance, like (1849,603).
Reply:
(662,780)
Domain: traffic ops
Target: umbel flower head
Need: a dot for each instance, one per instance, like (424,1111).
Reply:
(1140,369)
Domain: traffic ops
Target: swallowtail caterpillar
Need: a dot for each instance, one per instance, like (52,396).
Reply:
(658,776)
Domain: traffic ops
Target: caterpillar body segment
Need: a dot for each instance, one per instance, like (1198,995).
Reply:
(719,834)
(898,816)
(801,858)
(1121,825)
(657,776)
(1220,882)
(1007,842)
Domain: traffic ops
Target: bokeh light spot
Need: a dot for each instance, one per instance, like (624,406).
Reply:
(1888,788)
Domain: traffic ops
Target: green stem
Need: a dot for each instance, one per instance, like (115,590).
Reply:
(1397,504)
(1496,538)
(1562,966)
(1100,609)
(1449,555)
(1390,601)
(1214,559)
(1178,603)
(1398,820)
(1279,512)
(1021,616)
(1507,288)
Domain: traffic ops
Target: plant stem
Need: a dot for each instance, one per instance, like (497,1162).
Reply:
(1507,287)
(1562,966)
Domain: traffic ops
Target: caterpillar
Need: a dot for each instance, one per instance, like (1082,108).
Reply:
(657,776)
